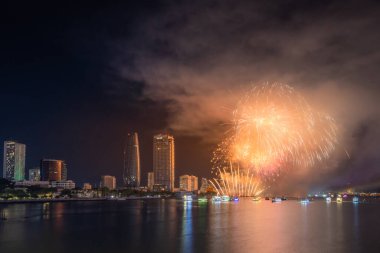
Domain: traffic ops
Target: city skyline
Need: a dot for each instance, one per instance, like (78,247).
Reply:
(56,170)
(79,175)
(79,89)
(190,126)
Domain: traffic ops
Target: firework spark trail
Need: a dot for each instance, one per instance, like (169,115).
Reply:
(237,183)
(273,128)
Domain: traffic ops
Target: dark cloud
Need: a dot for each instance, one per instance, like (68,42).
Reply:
(200,56)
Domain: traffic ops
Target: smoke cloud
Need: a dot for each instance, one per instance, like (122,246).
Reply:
(200,57)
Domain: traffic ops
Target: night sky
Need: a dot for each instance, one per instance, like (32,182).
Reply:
(77,76)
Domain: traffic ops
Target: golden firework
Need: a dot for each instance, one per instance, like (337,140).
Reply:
(237,182)
(273,127)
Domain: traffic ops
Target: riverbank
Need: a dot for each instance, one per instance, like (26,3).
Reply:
(14,201)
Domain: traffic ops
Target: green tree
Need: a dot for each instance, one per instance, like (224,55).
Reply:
(66,192)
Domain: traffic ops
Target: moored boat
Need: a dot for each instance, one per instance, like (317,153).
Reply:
(276,200)
(225,198)
(202,199)
(256,199)
(216,199)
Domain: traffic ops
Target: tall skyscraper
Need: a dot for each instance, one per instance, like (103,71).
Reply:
(64,171)
(131,173)
(14,161)
(108,181)
(188,183)
(163,161)
(53,170)
(34,174)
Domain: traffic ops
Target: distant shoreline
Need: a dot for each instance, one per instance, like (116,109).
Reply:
(16,201)
(48,200)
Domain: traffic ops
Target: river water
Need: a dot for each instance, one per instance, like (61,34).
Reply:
(176,226)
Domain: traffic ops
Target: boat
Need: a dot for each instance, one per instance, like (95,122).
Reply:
(339,199)
(328,199)
(256,199)
(187,198)
(216,199)
(276,200)
(202,199)
(355,199)
(225,198)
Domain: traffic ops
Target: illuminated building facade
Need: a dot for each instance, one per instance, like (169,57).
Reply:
(28,183)
(163,161)
(188,183)
(87,186)
(108,181)
(34,174)
(66,184)
(204,185)
(150,180)
(53,170)
(14,161)
(131,173)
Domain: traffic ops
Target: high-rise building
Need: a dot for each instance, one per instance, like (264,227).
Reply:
(108,181)
(150,180)
(14,161)
(64,172)
(188,183)
(131,173)
(163,161)
(34,174)
(204,185)
(53,170)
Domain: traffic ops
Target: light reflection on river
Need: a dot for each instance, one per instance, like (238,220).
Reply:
(176,226)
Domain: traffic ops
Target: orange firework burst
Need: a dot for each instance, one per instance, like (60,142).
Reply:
(274,127)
